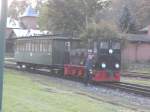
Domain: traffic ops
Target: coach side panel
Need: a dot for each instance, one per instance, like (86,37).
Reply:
(34,51)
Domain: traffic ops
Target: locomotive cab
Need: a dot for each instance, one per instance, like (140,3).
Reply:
(108,60)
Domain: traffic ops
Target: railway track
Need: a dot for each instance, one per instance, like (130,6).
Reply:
(137,75)
(130,88)
(127,87)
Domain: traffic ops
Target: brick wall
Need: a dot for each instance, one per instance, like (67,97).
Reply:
(136,52)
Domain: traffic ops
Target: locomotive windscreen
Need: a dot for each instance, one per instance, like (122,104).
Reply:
(109,52)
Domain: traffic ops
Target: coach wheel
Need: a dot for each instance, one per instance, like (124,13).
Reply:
(56,71)
(28,67)
(18,66)
(53,72)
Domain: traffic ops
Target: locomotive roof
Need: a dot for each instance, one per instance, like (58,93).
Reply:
(51,37)
(106,39)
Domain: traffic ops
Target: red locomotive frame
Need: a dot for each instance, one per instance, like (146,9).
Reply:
(97,76)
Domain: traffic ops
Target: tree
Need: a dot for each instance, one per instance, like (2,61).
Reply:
(43,19)
(126,21)
(104,29)
(16,8)
(139,10)
(69,16)
(142,12)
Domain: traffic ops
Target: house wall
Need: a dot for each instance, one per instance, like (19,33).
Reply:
(9,42)
(8,33)
(136,52)
(29,22)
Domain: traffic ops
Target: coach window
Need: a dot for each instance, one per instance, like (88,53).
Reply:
(44,45)
(21,44)
(36,47)
(17,46)
(32,44)
(29,45)
(25,45)
(39,45)
(40,42)
(95,47)
(49,46)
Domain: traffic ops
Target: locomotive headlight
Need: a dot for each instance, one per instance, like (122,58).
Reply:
(117,65)
(103,65)
(111,51)
(91,71)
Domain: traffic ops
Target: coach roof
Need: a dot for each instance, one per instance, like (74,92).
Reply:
(53,37)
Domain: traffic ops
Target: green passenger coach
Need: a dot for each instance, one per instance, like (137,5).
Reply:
(44,51)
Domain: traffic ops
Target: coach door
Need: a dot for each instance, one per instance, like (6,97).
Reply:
(67,52)
(60,51)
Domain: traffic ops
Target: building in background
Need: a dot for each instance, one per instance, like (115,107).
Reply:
(29,19)
(137,49)
(26,25)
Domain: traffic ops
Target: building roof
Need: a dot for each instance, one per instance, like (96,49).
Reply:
(26,32)
(138,38)
(30,12)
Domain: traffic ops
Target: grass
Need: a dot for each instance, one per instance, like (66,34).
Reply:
(141,70)
(136,81)
(22,94)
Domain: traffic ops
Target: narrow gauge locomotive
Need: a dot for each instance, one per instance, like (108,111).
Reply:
(107,60)
(65,54)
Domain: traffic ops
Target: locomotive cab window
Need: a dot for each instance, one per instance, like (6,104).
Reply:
(116,45)
(104,45)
